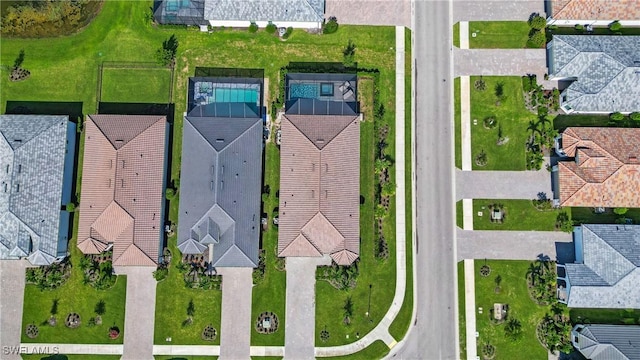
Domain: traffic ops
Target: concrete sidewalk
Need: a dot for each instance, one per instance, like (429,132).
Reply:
(140,312)
(464,34)
(235,327)
(12,282)
(470,308)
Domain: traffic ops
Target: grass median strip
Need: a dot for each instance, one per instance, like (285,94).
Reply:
(516,215)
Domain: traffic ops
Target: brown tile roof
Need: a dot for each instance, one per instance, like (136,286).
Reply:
(320,187)
(595,9)
(122,187)
(606,170)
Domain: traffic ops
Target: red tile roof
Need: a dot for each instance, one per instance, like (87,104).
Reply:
(122,187)
(320,187)
(595,9)
(606,170)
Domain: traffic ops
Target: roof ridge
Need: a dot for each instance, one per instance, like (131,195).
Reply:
(157,119)
(313,9)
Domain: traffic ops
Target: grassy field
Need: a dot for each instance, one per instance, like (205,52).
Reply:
(456,34)
(146,85)
(69,357)
(583,215)
(172,299)
(270,294)
(457,125)
(511,115)
(462,322)
(377,350)
(401,323)
(498,34)
(519,215)
(514,293)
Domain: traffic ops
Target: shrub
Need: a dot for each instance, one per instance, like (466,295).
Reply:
(170,194)
(635,116)
(620,211)
(480,85)
(528,83)
(537,22)
(616,116)
(161,273)
(513,329)
(287,33)
(167,53)
(253,27)
(71,207)
(331,26)
(615,26)
(536,39)
(349,53)
(271,28)
(579,27)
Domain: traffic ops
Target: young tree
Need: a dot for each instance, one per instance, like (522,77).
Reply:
(54,308)
(348,310)
(17,63)
(513,329)
(499,91)
(349,53)
(100,308)
(166,55)
(191,309)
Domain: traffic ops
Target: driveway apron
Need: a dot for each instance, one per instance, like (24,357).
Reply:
(235,328)
(139,313)
(12,282)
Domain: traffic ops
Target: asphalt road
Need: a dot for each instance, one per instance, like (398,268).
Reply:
(434,333)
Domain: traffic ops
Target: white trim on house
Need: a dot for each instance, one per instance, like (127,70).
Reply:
(263,24)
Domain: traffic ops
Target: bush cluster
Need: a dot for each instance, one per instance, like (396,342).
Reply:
(271,28)
(331,26)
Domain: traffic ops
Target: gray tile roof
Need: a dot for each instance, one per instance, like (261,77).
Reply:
(607,342)
(265,10)
(32,152)
(610,271)
(220,188)
(606,69)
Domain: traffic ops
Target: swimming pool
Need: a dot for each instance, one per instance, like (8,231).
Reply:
(304,91)
(234,95)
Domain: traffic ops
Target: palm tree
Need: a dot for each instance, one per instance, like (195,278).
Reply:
(348,310)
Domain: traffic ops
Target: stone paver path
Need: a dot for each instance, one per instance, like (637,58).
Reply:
(370,12)
(470,308)
(140,312)
(513,245)
(516,62)
(502,184)
(235,328)
(12,282)
(481,10)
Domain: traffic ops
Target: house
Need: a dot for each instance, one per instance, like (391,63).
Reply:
(606,271)
(123,181)
(221,171)
(593,12)
(304,14)
(320,168)
(37,153)
(607,342)
(602,170)
(604,72)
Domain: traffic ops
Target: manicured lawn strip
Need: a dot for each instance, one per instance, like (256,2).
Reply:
(462,323)
(596,31)
(184,357)
(457,125)
(377,350)
(401,323)
(605,316)
(459,214)
(381,274)
(146,85)
(511,115)
(582,215)
(69,357)
(498,34)
(172,299)
(519,215)
(561,122)
(270,294)
(514,293)
(456,34)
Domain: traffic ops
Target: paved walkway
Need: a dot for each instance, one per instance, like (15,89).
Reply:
(470,308)
(235,328)
(481,10)
(502,184)
(140,311)
(12,281)
(464,34)
(517,62)
(370,12)
(514,245)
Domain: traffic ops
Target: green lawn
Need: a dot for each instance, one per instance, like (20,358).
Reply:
(605,316)
(511,115)
(519,215)
(401,323)
(69,357)
(498,34)
(457,125)
(561,122)
(172,299)
(377,350)
(514,293)
(462,322)
(146,85)
(270,294)
(459,214)
(566,30)
(184,357)
(582,215)
(456,34)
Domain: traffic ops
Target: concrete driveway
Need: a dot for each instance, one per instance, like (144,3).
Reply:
(235,327)
(500,62)
(465,10)
(502,184)
(12,284)
(370,12)
(514,245)
(140,312)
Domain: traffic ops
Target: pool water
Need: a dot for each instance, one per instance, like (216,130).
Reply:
(234,95)
(304,91)
(174,5)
